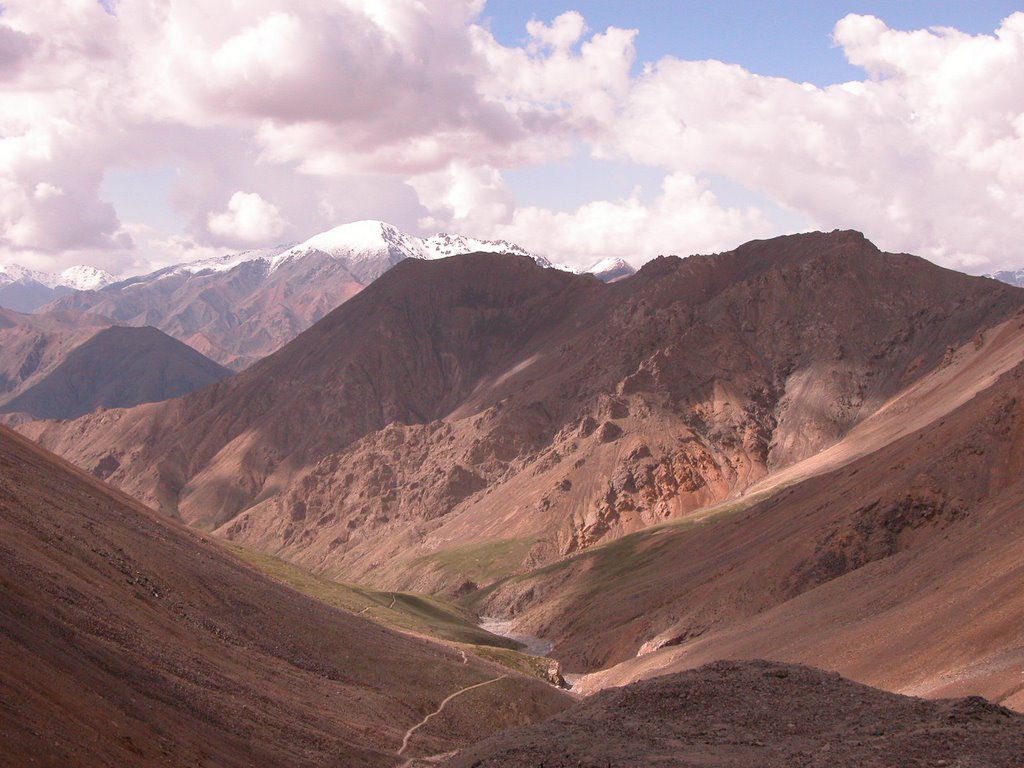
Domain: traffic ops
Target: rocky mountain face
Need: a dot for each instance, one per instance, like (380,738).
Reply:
(894,556)
(25,290)
(480,415)
(118,367)
(239,308)
(130,640)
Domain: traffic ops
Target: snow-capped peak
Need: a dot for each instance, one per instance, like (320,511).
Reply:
(610,269)
(78,278)
(373,240)
(1013,277)
(442,244)
(83,278)
(12,273)
(360,240)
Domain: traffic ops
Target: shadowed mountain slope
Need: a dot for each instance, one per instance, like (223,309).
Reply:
(128,640)
(756,714)
(31,346)
(411,350)
(117,368)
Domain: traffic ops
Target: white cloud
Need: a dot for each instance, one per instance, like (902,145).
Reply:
(463,198)
(685,218)
(249,219)
(347,109)
(927,156)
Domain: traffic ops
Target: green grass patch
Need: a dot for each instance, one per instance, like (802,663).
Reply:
(481,562)
(421,614)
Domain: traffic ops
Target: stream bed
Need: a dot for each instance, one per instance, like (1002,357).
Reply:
(534,645)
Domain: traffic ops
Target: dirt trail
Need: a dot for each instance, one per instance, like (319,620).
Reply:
(425,720)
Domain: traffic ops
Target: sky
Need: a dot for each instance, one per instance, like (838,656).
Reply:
(141,133)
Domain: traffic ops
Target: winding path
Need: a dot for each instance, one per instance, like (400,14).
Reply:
(421,723)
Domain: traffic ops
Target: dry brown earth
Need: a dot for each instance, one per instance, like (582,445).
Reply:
(128,640)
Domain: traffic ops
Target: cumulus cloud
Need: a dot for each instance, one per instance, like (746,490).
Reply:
(324,111)
(925,155)
(15,49)
(464,198)
(685,218)
(248,219)
(335,87)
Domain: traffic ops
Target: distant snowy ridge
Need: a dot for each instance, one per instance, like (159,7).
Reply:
(364,250)
(1010,276)
(611,269)
(25,290)
(358,243)
(372,240)
(77,278)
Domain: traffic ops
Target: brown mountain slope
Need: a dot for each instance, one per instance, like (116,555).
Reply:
(31,346)
(901,568)
(410,350)
(127,640)
(697,379)
(234,317)
(117,368)
(542,409)
(757,714)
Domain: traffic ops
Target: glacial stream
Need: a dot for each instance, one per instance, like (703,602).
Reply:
(503,627)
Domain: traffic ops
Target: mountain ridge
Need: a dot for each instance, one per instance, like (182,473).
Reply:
(490,366)
(238,308)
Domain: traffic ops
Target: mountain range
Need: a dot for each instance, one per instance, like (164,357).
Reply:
(805,450)
(240,307)
(1012,277)
(526,440)
(25,290)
